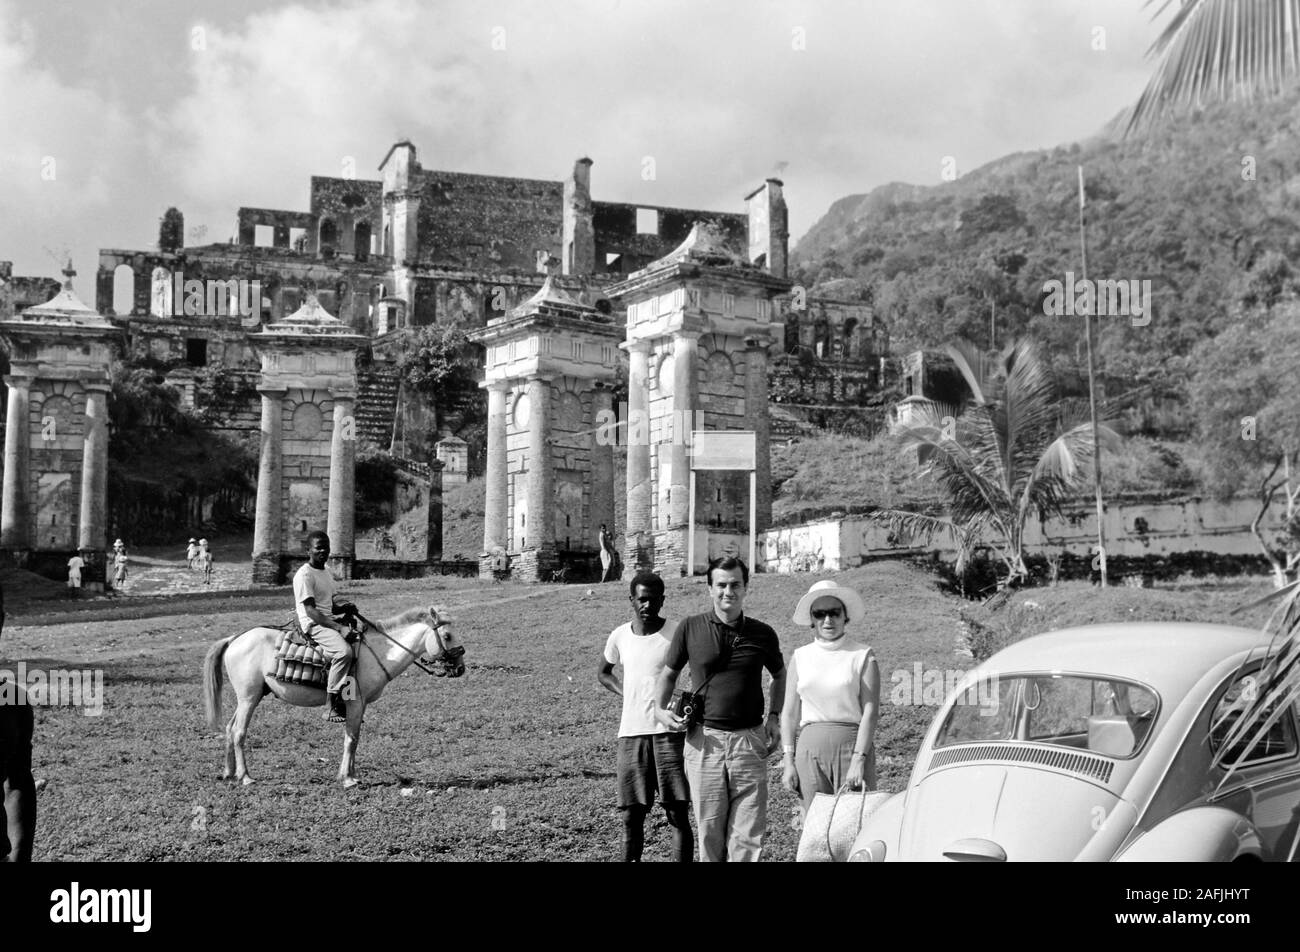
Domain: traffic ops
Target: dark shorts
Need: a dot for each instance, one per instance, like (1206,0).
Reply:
(649,763)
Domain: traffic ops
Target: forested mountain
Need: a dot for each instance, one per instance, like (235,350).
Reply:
(1205,206)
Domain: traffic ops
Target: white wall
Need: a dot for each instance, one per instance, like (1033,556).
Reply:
(1181,525)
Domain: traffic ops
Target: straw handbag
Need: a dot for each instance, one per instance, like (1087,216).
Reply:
(833,823)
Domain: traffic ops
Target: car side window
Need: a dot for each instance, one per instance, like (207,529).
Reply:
(1278,741)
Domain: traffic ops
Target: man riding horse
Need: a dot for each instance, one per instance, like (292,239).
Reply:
(313,587)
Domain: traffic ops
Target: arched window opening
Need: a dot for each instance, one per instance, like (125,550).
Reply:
(362,246)
(329,234)
(123,290)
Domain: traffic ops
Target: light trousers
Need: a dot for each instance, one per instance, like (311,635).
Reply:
(727,772)
(337,649)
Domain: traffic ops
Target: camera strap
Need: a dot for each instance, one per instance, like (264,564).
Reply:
(724,658)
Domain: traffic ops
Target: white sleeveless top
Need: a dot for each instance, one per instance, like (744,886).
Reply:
(830,680)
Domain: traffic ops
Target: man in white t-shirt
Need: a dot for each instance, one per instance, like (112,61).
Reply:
(313,600)
(650,756)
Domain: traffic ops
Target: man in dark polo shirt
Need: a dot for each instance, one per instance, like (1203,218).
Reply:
(726,756)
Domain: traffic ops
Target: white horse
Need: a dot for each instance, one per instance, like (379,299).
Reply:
(385,650)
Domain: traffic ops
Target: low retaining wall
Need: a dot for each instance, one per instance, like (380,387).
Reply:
(1140,531)
(387,568)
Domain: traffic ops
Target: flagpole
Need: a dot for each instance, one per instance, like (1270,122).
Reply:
(1092,394)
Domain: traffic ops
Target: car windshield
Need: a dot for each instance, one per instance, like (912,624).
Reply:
(1105,716)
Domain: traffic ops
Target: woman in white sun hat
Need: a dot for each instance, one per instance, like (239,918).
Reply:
(832,698)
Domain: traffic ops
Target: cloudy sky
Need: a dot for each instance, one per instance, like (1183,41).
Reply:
(112,110)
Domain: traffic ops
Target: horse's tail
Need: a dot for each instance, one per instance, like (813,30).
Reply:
(212,682)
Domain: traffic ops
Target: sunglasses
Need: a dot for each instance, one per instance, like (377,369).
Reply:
(820,613)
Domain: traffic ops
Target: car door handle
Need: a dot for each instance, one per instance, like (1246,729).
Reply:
(976,851)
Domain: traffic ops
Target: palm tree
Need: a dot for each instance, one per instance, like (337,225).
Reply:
(1011,452)
(1220,49)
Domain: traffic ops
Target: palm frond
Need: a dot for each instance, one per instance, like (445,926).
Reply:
(914,525)
(975,365)
(1220,49)
(1275,687)
(959,467)
(921,527)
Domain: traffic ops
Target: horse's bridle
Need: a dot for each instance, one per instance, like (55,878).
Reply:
(448,662)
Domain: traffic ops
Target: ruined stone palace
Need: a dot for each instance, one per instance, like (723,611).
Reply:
(415,247)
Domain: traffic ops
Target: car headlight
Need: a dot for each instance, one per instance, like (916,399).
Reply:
(873,852)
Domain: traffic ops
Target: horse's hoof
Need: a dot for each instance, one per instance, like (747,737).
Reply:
(246,781)
(350,782)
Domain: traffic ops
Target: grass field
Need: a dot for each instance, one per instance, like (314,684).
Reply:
(512,762)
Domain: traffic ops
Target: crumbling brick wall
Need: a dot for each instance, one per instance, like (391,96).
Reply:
(488,222)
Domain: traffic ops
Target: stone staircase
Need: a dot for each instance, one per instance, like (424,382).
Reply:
(376,404)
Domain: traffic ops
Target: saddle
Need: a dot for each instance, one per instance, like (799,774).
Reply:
(298,660)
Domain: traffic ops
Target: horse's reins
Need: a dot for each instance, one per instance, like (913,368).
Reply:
(451,654)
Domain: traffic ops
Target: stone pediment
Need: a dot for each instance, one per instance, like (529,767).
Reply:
(311,322)
(65,308)
(706,244)
(310,314)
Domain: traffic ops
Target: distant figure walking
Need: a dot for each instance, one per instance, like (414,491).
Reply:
(192,555)
(205,566)
(608,556)
(119,565)
(75,565)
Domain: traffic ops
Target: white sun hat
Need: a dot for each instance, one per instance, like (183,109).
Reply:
(826,588)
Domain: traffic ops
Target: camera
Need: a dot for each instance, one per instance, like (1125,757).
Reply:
(689,707)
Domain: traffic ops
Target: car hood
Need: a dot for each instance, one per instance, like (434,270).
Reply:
(976,812)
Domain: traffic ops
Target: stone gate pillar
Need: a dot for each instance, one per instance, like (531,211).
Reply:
(539,532)
(306,473)
(343,444)
(497,486)
(602,458)
(756,419)
(636,556)
(13,518)
(685,384)
(699,302)
(91,527)
(56,441)
(549,361)
(267,535)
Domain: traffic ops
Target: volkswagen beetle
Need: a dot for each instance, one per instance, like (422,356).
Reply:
(1097,744)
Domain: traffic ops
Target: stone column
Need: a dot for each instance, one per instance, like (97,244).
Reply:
(602,463)
(637,531)
(267,536)
(94,470)
(756,418)
(342,501)
(433,550)
(497,483)
(14,513)
(685,385)
(539,533)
